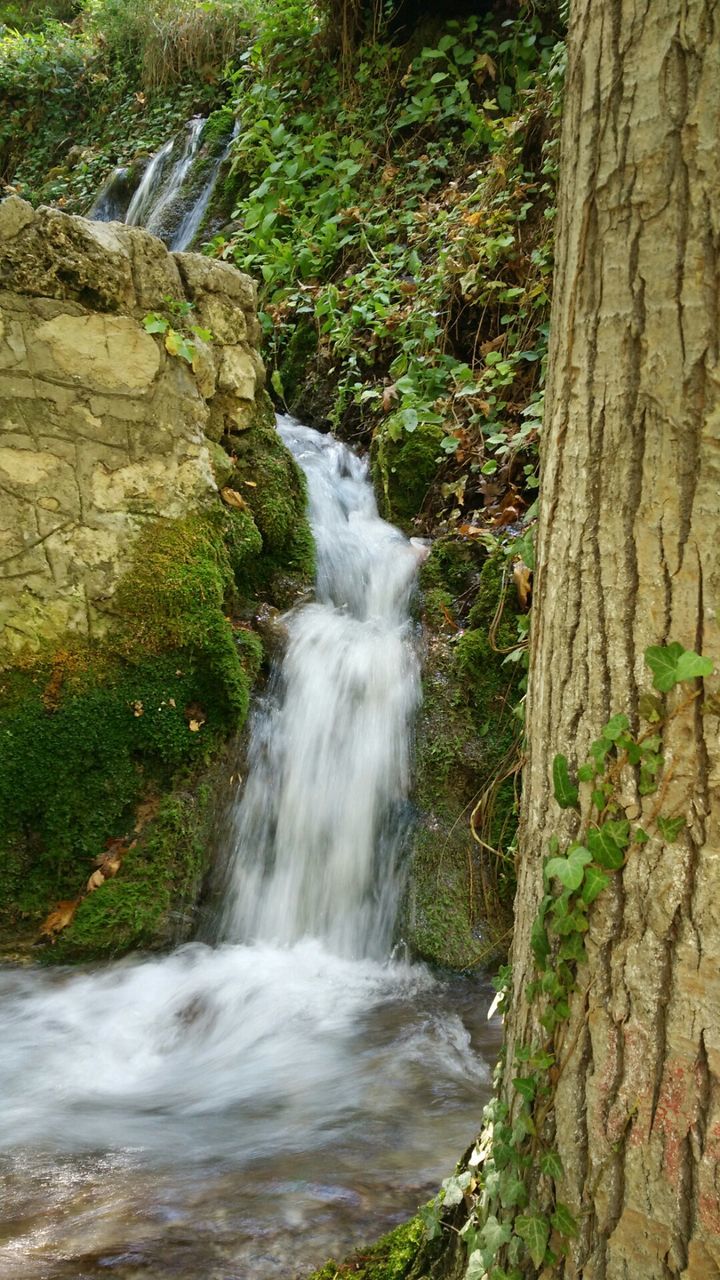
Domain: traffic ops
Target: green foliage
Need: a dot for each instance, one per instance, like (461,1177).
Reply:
(400,219)
(514,1174)
(73,111)
(32,15)
(671,664)
(177,341)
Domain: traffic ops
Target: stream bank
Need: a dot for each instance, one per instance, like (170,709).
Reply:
(151,509)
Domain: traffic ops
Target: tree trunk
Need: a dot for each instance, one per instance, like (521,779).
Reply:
(629,556)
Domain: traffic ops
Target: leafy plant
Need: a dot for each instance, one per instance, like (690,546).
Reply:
(514,1172)
(177,340)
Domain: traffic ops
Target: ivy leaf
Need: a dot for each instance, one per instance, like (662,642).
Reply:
(615,727)
(563,1221)
(569,871)
(593,885)
(619,830)
(513,1192)
(526,1086)
(153,323)
(540,1060)
(551,1165)
(690,665)
(670,828)
(454,1192)
(493,1236)
(566,793)
(177,345)
(476,1269)
(663,662)
(650,708)
(430,1216)
(535,1231)
(586,772)
(605,848)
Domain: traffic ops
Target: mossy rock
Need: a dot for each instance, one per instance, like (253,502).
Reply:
(274,491)
(458,905)
(151,902)
(300,350)
(90,728)
(404,469)
(402,1254)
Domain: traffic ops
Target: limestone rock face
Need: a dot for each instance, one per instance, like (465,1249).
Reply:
(101,428)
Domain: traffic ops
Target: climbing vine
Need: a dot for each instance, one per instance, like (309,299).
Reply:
(510,1185)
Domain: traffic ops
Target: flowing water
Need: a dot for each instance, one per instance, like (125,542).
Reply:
(241,1110)
(168,200)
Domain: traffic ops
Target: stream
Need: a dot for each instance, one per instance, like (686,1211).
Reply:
(249,1105)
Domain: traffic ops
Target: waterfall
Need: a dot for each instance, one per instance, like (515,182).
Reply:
(318,832)
(294,1075)
(167,201)
(163,180)
(190,225)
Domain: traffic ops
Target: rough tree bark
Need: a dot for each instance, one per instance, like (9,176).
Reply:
(629,556)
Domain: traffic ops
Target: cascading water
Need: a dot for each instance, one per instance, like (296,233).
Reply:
(318,831)
(167,201)
(245,1109)
(162,182)
(192,220)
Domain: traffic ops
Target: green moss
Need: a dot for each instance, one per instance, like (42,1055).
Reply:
(158,879)
(300,350)
(391,1258)
(404,469)
(460,895)
(87,729)
(218,128)
(452,567)
(273,486)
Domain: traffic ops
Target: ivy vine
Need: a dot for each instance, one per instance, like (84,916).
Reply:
(510,1185)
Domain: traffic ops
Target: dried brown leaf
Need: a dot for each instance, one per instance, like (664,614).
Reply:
(233,498)
(59,918)
(522,577)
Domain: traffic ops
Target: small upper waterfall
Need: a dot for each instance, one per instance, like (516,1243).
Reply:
(174,192)
(317,834)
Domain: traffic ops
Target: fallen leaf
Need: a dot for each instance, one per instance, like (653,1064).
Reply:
(59,918)
(96,879)
(233,499)
(389,396)
(195,714)
(138,708)
(508,515)
(493,345)
(251,484)
(522,577)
